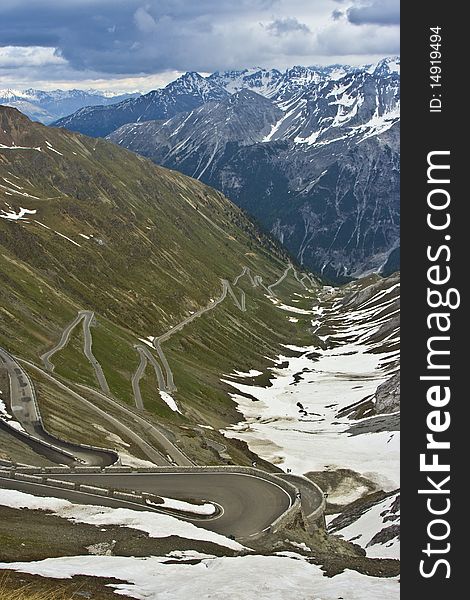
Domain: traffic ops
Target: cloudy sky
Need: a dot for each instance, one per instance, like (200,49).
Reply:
(131,45)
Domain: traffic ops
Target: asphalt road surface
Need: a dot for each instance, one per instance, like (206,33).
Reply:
(152,454)
(250,503)
(24,410)
(87,316)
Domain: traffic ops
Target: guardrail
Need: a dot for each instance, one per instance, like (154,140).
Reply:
(31,475)
(315,519)
(26,436)
(112,453)
(50,476)
(41,422)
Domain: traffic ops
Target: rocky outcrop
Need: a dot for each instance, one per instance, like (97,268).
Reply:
(387,396)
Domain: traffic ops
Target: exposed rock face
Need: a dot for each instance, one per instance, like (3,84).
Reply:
(313,155)
(186,93)
(388,396)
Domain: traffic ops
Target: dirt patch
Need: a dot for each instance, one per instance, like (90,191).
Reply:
(343,487)
(25,535)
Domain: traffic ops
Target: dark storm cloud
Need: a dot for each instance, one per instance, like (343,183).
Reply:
(375,12)
(106,39)
(124,36)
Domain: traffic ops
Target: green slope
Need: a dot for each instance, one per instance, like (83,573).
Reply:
(157,246)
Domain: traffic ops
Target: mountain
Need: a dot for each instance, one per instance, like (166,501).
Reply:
(276,84)
(88,226)
(185,94)
(312,154)
(153,319)
(46,107)
(195,141)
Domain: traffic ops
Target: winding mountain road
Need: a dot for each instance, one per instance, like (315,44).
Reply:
(157,342)
(25,411)
(175,455)
(250,502)
(280,280)
(145,357)
(87,317)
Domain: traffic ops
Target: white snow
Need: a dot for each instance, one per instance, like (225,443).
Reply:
(295,309)
(169,400)
(42,224)
(129,460)
(3,408)
(148,341)
(16,425)
(367,525)
(293,320)
(281,435)
(237,578)
(250,373)
(3,147)
(7,418)
(15,185)
(379,123)
(309,140)
(67,238)
(49,147)
(157,525)
(198,509)
(17,216)
(343,373)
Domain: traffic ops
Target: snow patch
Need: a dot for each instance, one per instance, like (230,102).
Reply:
(198,509)
(250,373)
(237,578)
(17,216)
(363,530)
(157,525)
(169,400)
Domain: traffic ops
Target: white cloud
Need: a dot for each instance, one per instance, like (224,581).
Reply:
(12,57)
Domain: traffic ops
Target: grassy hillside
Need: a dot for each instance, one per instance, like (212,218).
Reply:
(143,248)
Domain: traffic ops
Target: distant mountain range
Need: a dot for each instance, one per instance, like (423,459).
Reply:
(185,94)
(312,153)
(49,106)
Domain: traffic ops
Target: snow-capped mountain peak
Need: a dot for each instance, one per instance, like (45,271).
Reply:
(386,66)
(193,83)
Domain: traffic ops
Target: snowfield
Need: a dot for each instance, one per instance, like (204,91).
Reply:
(297,421)
(169,401)
(198,509)
(363,530)
(238,578)
(12,215)
(299,410)
(275,429)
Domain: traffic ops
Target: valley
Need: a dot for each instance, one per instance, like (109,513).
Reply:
(312,153)
(157,326)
